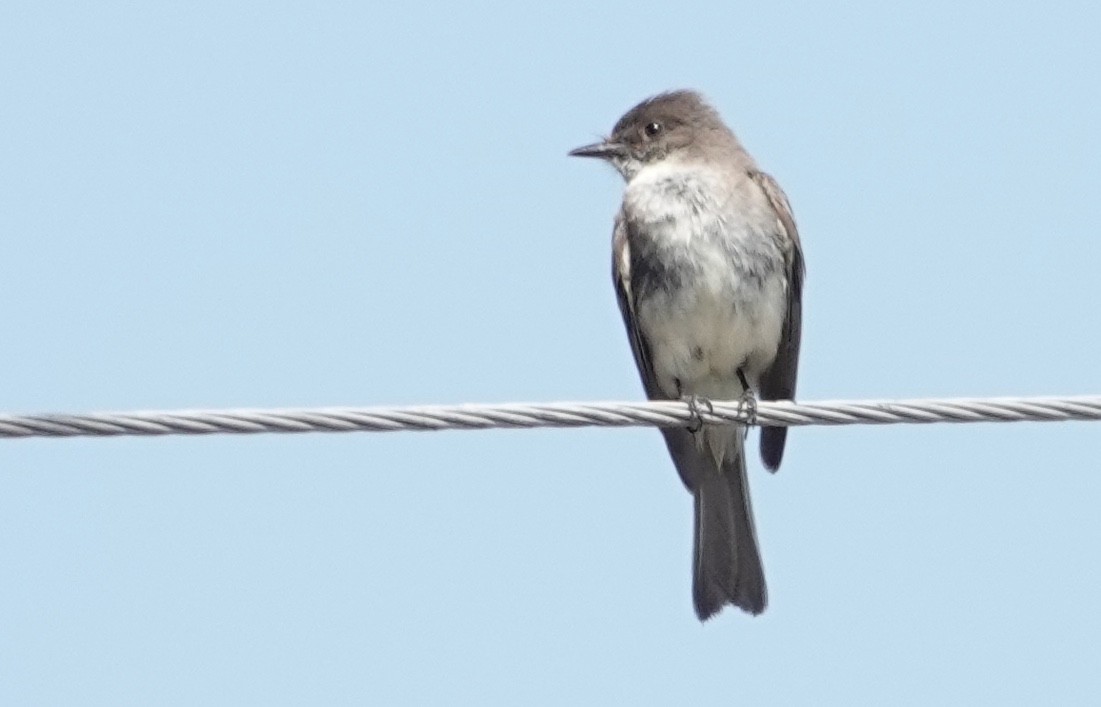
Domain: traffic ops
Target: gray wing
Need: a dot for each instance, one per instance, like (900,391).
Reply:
(681,444)
(621,277)
(778,382)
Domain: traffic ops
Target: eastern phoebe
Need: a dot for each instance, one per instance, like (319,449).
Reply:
(709,273)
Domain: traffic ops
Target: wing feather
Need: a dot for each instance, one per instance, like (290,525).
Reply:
(778,382)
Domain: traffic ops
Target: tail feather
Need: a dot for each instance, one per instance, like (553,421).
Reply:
(772,446)
(727,565)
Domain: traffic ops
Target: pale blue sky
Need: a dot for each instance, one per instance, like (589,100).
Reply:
(220,204)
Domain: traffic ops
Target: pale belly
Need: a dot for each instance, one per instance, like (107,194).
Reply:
(701,333)
(708,277)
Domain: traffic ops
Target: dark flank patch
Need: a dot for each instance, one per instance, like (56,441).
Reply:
(697,353)
(651,275)
(652,271)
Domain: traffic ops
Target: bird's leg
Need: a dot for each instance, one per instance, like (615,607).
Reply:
(748,401)
(694,402)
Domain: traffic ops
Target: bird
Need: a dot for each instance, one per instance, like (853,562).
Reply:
(708,272)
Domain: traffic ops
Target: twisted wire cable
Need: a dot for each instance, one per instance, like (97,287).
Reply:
(520,415)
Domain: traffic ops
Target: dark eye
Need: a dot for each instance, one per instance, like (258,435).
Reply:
(653,129)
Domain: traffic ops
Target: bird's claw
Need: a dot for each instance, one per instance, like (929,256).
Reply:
(694,402)
(747,405)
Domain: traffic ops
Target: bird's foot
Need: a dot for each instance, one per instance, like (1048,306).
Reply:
(695,403)
(742,380)
(747,405)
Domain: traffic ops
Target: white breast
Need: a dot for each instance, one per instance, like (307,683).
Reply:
(722,302)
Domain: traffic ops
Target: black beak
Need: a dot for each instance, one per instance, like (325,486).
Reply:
(602,150)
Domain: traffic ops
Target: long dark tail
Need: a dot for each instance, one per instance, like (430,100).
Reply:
(726,566)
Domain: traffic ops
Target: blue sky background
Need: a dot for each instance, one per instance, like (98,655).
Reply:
(221,204)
